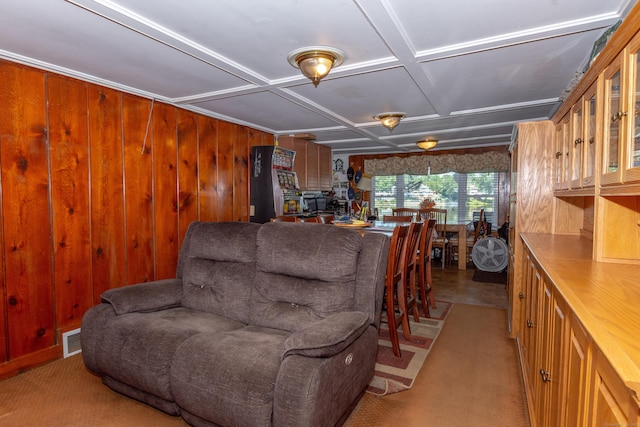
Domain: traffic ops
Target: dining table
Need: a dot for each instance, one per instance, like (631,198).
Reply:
(386,227)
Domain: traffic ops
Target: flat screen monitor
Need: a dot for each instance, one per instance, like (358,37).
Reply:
(312,206)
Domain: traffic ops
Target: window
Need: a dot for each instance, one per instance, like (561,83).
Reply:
(461,194)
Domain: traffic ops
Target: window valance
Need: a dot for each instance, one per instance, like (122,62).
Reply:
(491,161)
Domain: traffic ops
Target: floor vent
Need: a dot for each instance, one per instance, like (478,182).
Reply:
(71,343)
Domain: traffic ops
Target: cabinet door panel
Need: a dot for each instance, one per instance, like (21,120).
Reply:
(557,383)
(578,364)
(632,141)
(614,117)
(613,404)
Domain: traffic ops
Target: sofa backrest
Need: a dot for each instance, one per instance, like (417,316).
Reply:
(306,272)
(217,267)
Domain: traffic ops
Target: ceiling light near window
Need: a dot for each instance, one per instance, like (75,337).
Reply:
(427,143)
(390,120)
(315,62)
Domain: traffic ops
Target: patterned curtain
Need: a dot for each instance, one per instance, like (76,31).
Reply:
(422,165)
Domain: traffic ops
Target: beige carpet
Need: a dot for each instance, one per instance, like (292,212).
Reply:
(471,378)
(394,374)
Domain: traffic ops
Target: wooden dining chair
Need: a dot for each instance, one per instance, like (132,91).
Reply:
(326,219)
(394,282)
(425,282)
(397,218)
(404,212)
(410,265)
(441,240)
(312,219)
(284,218)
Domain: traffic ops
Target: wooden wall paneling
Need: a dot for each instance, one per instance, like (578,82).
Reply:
(620,239)
(568,213)
(26,215)
(165,190)
(325,165)
(5,94)
(107,190)
(69,156)
(300,161)
(241,171)
(187,171)
(208,168)
(268,139)
(137,115)
(313,166)
(227,135)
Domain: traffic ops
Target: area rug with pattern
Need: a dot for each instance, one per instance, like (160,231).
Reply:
(394,374)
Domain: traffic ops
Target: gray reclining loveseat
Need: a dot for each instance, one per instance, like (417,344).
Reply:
(272,324)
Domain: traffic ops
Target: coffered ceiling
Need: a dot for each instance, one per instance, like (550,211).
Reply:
(463,71)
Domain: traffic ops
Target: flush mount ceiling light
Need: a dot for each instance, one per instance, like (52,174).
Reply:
(315,62)
(390,120)
(427,143)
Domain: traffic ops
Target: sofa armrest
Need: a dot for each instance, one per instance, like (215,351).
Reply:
(328,336)
(145,297)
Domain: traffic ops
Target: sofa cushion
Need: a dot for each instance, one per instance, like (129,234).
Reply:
(219,270)
(224,241)
(229,378)
(304,273)
(138,348)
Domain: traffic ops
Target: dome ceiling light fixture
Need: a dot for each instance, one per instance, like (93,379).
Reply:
(315,62)
(390,120)
(427,143)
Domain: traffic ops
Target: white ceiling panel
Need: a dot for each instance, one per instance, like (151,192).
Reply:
(464,71)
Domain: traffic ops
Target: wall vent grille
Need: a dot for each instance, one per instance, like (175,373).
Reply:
(71,343)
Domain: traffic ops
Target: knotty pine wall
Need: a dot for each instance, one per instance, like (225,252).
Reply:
(97,189)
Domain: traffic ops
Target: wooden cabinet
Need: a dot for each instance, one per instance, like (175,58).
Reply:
(544,347)
(577,285)
(569,380)
(576,145)
(615,118)
(531,205)
(312,163)
(562,162)
(612,403)
(631,155)
(592,123)
(578,366)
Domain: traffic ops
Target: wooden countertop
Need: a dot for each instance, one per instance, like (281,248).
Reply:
(604,296)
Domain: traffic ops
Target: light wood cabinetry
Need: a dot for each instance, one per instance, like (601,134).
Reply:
(615,118)
(612,403)
(531,210)
(575,290)
(312,163)
(592,122)
(544,347)
(578,366)
(578,375)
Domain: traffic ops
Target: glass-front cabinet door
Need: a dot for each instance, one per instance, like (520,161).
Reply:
(558,158)
(615,117)
(631,172)
(576,145)
(590,143)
